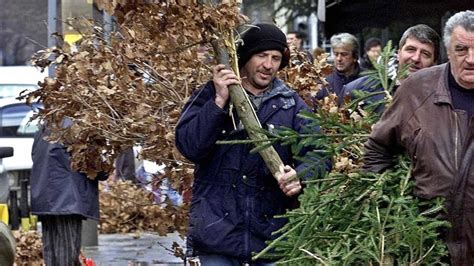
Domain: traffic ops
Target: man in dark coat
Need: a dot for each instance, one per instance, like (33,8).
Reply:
(61,198)
(431,119)
(345,48)
(235,197)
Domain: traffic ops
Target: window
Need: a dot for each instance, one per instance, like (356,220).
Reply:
(15,120)
(13,90)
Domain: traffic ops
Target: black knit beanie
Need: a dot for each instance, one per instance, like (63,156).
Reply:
(263,37)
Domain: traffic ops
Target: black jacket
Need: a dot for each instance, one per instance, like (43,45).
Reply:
(55,188)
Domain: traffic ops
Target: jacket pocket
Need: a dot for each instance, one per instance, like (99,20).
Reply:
(430,181)
(269,202)
(212,227)
(417,152)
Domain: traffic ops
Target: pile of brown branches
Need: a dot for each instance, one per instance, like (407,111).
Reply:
(29,248)
(128,88)
(126,208)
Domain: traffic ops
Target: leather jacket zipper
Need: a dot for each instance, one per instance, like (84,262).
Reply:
(456,141)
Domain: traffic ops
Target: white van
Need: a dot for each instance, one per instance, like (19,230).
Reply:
(15,129)
(15,79)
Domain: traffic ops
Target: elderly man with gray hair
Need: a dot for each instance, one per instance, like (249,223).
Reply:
(345,49)
(431,119)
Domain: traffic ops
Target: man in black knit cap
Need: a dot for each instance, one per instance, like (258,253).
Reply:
(235,197)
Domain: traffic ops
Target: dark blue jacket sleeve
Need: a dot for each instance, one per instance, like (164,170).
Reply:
(200,124)
(358,84)
(365,84)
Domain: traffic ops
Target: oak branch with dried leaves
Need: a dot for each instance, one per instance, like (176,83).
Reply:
(128,89)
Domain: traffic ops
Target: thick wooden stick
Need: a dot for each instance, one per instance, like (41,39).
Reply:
(245,111)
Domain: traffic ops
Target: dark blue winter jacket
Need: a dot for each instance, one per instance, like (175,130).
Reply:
(336,81)
(368,86)
(235,197)
(55,188)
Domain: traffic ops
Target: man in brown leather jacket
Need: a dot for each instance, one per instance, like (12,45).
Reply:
(431,118)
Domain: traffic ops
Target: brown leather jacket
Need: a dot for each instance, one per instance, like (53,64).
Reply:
(439,140)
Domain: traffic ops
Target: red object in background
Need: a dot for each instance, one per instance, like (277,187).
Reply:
(90,262)
(86,261)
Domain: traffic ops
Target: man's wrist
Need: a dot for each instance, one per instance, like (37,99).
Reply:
(220,102)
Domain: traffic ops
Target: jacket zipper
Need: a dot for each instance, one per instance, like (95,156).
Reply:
(247,231)
(456,141)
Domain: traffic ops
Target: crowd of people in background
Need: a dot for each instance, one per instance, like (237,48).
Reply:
(418,48)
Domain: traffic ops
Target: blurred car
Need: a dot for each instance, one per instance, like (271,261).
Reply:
(15,129)
(15,79)
(4,182)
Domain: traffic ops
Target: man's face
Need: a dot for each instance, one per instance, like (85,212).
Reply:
(416,54)
(461,57)
(374,52)
(259,71)
(344,61)
(292,40)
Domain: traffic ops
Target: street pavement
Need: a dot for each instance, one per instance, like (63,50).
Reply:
(143,249)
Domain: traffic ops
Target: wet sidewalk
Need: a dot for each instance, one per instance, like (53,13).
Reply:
(134,249)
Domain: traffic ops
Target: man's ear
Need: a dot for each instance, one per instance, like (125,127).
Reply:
(448,53)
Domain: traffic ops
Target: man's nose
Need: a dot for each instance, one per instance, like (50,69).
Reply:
(416,57)
(470,56)
(267,63)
